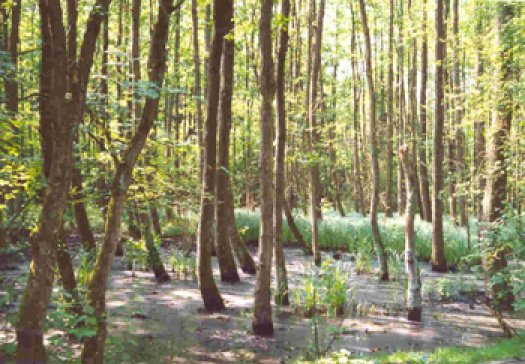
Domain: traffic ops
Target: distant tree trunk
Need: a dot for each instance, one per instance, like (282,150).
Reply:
(281,296)
(198,89)
(401,127)
(11,83)
(356,95)
(373,148)
(423,165)
(93,350)
(228,269)
(438,243)
(81,216)
(209,291)
(59,118)
(154,260)
(496,183)
(414,285)
(293,227)
(315,182)
(262,322)
(390,113)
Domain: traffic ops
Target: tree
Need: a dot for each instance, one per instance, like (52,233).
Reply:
(390,112)
(93,350)
(281,297)
(414,284)
(376,235)
(438,242)
(209,291)
(262,322)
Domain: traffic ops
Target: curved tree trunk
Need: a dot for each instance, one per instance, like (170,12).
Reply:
(262,322)
(373,148)
(93,350)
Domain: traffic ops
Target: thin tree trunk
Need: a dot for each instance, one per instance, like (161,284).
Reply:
(438,243)
(414,306)
(198,89)
(262,322)
(281,296)
(373,148)
(390,114)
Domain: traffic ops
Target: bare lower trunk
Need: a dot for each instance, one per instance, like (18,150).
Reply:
(239,247)
(262,322)
(414,306)
(81,217)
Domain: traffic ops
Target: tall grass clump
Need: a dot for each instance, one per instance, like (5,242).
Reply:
(353,234)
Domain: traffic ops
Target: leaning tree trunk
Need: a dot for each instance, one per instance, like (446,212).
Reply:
(281,296)
(373,148)
(209,291)
(414,306)
(438,242)
(93,350)
(59,118)
(262,322)
(227,266)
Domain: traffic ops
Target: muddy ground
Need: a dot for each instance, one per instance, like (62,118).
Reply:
(166,323)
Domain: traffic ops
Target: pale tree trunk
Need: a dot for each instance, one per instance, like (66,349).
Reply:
(262,322)
(414,306)
(423,165)
(494,261)
(401,200)
(315,180)
(390,113)
(373,148)
(281,296)
(58,122)
(198,88)
(227,266)
(209,291)
(93,350)
(438,243)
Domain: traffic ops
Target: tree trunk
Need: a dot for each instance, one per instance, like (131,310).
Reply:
(239,247)
(414,285)
(438,243)
(209,291)
(59,118)
(81,216)
(494,261)
(154,260)
(423,165)
(315,179)
(93,350)
(228,269)
(198,89)
(262,322)
(373,148)
(390,114)
(281,296)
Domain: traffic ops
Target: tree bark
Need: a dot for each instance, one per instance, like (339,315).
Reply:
(373,148)
(414,306)
(93,350)
(262,322)
(210,293)
(281,296)
(227,266)
(438,243)
(390,114)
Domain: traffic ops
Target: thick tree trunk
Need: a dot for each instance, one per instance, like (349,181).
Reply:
(414,306)
(93,350)
(209,291)
(58,122)
(281,296)
(227,266)
(438,243)
(262,322)
(373,148)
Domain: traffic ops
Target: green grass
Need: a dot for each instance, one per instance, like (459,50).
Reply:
(506,349)
(353,234)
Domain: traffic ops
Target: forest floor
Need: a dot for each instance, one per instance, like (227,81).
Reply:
(153,323)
